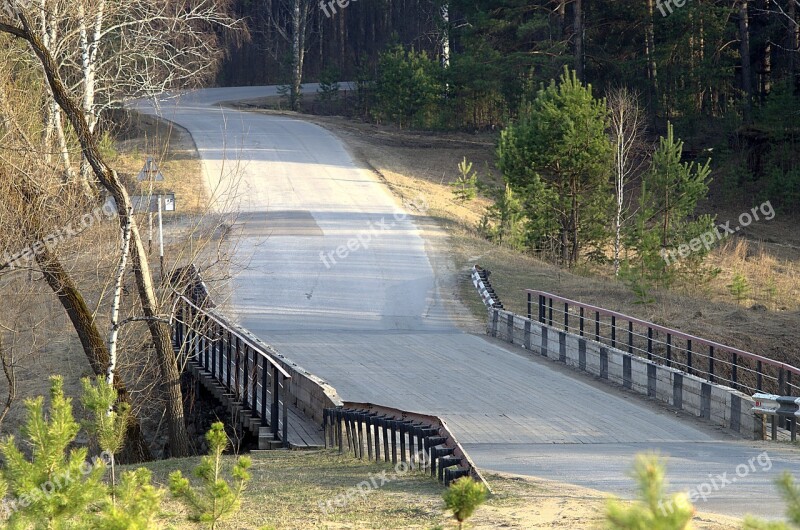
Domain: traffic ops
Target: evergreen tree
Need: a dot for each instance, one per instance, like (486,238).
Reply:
(463,497)
(653,510)
(107,425)
(214,499)
(408,87)
(558,154)
(57,487)
(666,220)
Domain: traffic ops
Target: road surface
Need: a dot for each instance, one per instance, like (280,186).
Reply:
(338,280)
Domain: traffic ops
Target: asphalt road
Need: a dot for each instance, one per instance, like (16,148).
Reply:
(338,279)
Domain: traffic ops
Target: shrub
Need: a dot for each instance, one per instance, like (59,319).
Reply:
(463,497)
(465,187)
(652,511)
(214,499)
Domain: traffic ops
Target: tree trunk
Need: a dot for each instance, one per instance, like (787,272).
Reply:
(793,39)
(59,280)
(561,15)
(793,42)
(578,28)
(744,50)
(170,376)
(297,57)
(650,50)
(445,36)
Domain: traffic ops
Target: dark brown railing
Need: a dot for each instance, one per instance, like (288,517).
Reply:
(711,360)
(235,361)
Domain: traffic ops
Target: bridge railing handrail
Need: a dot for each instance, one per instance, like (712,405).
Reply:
(230,328)
(762,369)
(232,357)
(673,332)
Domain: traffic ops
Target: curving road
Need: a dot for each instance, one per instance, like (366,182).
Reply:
(338,279)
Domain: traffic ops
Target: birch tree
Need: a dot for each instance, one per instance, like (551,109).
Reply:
(113,51)
(17,22)
(627,124)
(30,209)
(299,14)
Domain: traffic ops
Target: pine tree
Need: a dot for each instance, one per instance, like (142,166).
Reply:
(463,497)
(653,511)
(214,499)
(666,219)
(58,487)
(136,506)
(558,154)
(465,187)
(107,425)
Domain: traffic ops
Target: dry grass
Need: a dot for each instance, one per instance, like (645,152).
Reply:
(288,487)
(173,150)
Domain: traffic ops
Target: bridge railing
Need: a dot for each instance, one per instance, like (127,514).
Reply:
(715,362)
(240,365)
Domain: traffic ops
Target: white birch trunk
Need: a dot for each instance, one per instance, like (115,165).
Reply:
(445,13)
(114,333)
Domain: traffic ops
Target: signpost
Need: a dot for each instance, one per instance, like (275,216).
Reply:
(153,204)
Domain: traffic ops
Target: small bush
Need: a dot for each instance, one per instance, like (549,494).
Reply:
(653,511)
(739,287)
(215,498)
(465,187)
(463,497)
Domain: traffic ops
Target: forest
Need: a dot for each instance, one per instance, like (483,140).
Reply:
(696,100)
(725,73)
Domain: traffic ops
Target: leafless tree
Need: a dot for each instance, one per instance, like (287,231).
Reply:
(108,52)
(627,129)
(17,23)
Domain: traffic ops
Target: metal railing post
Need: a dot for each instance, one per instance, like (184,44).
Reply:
(711,363)
(597,326)
(273,414)
(689,355)
(254,383)
(630,336)
(246,376)
(530,305)
(613,331)
(285,414)
(669,349)
(264,374)
(541,309)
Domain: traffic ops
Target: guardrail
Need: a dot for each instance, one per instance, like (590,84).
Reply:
(786,408)
(707,359)
(239,364)
(480,279)
(407,439)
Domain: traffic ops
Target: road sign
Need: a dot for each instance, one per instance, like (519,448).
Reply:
(149,203)
(150,171)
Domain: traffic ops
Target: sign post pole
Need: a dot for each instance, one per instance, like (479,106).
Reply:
(160,238)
